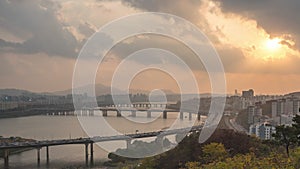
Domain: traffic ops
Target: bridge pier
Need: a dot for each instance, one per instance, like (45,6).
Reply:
(160,141)
(91,113)
(47,155)
(38,156)
(119,113)
(165,114)
(148,114)
(6,160)
(128,143)
(104,113)
(181,115)
(190,116)
(86,154)
(133,113)
(92,154)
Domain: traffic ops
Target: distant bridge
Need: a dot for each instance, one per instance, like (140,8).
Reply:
(87,141)
(134,108)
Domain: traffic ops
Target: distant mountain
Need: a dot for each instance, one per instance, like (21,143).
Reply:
(15,92)
(294,94)
(99,89)
(135,91)
(103,90)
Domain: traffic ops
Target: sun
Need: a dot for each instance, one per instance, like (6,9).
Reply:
(273,44)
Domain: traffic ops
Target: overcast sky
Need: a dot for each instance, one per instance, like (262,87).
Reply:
(258,42)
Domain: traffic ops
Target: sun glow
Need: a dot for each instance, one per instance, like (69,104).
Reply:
(273,44)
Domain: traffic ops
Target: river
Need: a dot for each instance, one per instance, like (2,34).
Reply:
(65,127)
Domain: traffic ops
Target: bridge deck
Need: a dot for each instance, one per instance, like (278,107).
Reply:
(39,144)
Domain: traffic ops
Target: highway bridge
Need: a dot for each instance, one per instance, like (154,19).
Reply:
(89,141)
(135,108)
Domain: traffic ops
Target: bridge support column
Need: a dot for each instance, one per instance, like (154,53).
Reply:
(160,141)
(190,116)
(47,155)
(38,156)
(165,114)
(181,115)
(92,154)
(128,143)
(85,112)
(199,116)
(104,113)
(148,114)
(6,154)
(133,113)
(86,154)
(91,113)
(119,113)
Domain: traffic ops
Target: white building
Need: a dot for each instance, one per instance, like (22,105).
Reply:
(262,130)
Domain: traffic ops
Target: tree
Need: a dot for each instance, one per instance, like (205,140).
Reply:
(295,156)
(296,125)
(193,165)
(214,152)
(251,161)
(286,135)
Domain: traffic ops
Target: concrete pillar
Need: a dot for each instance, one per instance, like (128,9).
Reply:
(165,114)
(91,113)
(128,143)
(86,154)
(104,113)
(181,115)
(148,114)
(190,116)
(6,160)
(47,155)
(119,113)
(133,113)
(38,156)
(92,154)
(160,141)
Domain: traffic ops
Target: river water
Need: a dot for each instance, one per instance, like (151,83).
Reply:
(65,127)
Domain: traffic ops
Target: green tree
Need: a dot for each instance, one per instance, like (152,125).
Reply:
(273,161)
(193,165)
(214,152)
(296,125)
(285,135)
(295,156)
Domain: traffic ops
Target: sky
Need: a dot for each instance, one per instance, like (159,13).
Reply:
(257,41)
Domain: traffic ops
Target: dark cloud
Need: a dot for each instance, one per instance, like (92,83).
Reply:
(4,43)
(232,58)
(133,44)
(86,29)
(38,20)
(277,17)
(186,9)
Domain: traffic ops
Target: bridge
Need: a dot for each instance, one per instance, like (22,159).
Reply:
(134,108)
(89,141)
